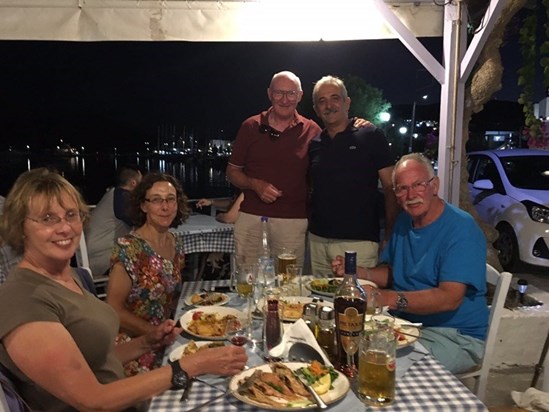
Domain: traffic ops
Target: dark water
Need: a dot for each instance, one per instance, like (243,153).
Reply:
(92,174)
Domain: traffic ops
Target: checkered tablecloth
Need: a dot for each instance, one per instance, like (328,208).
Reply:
(426,386)
(202,233)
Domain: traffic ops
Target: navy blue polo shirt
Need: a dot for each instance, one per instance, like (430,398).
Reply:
(344,183)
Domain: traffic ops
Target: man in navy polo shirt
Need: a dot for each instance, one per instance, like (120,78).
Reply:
(346,164)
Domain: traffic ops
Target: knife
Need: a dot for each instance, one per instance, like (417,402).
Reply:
(185,394)
(318,400)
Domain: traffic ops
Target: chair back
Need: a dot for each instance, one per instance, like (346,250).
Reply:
(10,400)
(502,282)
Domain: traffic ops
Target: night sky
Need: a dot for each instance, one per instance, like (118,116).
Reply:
(102,94)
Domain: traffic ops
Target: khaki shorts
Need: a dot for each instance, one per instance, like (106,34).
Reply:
(288,233)
(324,250)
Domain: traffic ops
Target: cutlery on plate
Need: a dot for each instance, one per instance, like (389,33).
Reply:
(318,400)
(415,336)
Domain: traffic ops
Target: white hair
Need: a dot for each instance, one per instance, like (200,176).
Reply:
(289,75)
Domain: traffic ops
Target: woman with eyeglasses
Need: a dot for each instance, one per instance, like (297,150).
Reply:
(56,338)
(146,264)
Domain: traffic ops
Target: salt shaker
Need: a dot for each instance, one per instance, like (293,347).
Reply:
(309,316)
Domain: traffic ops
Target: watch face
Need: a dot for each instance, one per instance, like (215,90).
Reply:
(180,380)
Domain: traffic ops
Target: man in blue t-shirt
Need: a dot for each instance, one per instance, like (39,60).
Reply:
(436,268)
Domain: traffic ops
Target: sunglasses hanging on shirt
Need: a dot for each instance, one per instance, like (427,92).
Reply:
(273,133)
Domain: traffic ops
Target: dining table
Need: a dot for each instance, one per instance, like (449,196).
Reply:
(422,383)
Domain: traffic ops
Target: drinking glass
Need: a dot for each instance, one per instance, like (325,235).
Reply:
(295,282)
(286,257)
(236,332)
(350,348)
(377,364)
(245,279)
(372,307)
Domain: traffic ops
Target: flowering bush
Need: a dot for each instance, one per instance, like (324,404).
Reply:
(539,140)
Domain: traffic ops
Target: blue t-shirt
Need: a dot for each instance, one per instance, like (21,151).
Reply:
(451,249)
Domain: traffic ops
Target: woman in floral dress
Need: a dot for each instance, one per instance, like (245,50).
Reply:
(146,264)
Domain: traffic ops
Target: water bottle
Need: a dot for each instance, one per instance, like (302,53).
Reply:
(265,249)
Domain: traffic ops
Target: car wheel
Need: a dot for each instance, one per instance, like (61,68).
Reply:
(507,246)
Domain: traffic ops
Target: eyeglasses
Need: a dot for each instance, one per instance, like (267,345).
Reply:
(291,95)
(418,187)
(52,220)
(157,201)
(275,134)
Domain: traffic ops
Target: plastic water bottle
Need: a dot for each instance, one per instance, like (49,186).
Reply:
(265,249)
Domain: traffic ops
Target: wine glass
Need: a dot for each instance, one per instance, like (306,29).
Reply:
(236,332)
(350,349)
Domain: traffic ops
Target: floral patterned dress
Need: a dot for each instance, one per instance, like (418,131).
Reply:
(155,282)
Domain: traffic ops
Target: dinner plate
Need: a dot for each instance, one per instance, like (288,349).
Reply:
(340,388)
(412,332)
(284,315)
(221,311)
(308,285)
(225,299)
(177,353)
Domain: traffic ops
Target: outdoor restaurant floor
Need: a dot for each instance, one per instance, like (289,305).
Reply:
(502,381)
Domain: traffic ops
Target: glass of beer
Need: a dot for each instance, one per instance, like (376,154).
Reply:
(376,367)
(245,279)
(284,258)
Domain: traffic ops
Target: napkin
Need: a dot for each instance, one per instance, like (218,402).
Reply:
(297,332)
(531,400)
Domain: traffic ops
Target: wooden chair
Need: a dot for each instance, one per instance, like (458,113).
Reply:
(501,281)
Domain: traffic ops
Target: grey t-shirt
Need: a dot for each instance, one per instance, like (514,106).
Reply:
(26,297)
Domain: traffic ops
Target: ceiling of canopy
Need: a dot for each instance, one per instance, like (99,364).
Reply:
(224,20)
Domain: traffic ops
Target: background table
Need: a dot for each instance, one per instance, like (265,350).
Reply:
(426,385)
(203,234)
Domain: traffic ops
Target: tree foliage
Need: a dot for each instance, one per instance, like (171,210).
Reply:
(366,101)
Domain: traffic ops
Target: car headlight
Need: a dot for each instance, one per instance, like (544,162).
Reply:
(538,213)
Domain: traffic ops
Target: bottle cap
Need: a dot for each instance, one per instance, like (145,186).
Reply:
(309,310)
(264,219)
(326,313)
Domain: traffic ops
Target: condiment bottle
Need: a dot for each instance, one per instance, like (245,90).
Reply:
(272,328)
(309,316)
(326,331)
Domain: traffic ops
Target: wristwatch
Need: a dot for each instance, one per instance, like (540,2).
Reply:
(180,378)
(401,302)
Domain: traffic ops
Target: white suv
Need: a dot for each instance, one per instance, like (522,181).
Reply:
(510,191)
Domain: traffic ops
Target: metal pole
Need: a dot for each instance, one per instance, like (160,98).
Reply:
(412,127)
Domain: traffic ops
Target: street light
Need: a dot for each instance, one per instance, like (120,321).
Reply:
(413,125)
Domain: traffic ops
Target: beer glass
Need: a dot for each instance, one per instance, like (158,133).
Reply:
(377,365)
(245,279)
(284,258)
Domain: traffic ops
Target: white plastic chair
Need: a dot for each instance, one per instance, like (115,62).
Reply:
(83,261)
(501,281)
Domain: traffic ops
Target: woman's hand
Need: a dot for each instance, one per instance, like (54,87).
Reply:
(338,267)
(163,335)
(225,361)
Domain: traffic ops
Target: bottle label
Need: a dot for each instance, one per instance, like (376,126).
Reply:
(351,323)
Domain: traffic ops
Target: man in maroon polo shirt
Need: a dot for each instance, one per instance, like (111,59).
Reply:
(269,163)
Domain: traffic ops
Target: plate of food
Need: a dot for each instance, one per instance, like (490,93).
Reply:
(405,333)
(209,322)
(207,299)
(193,347)
(291,307)
(275,386)
(328,286)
